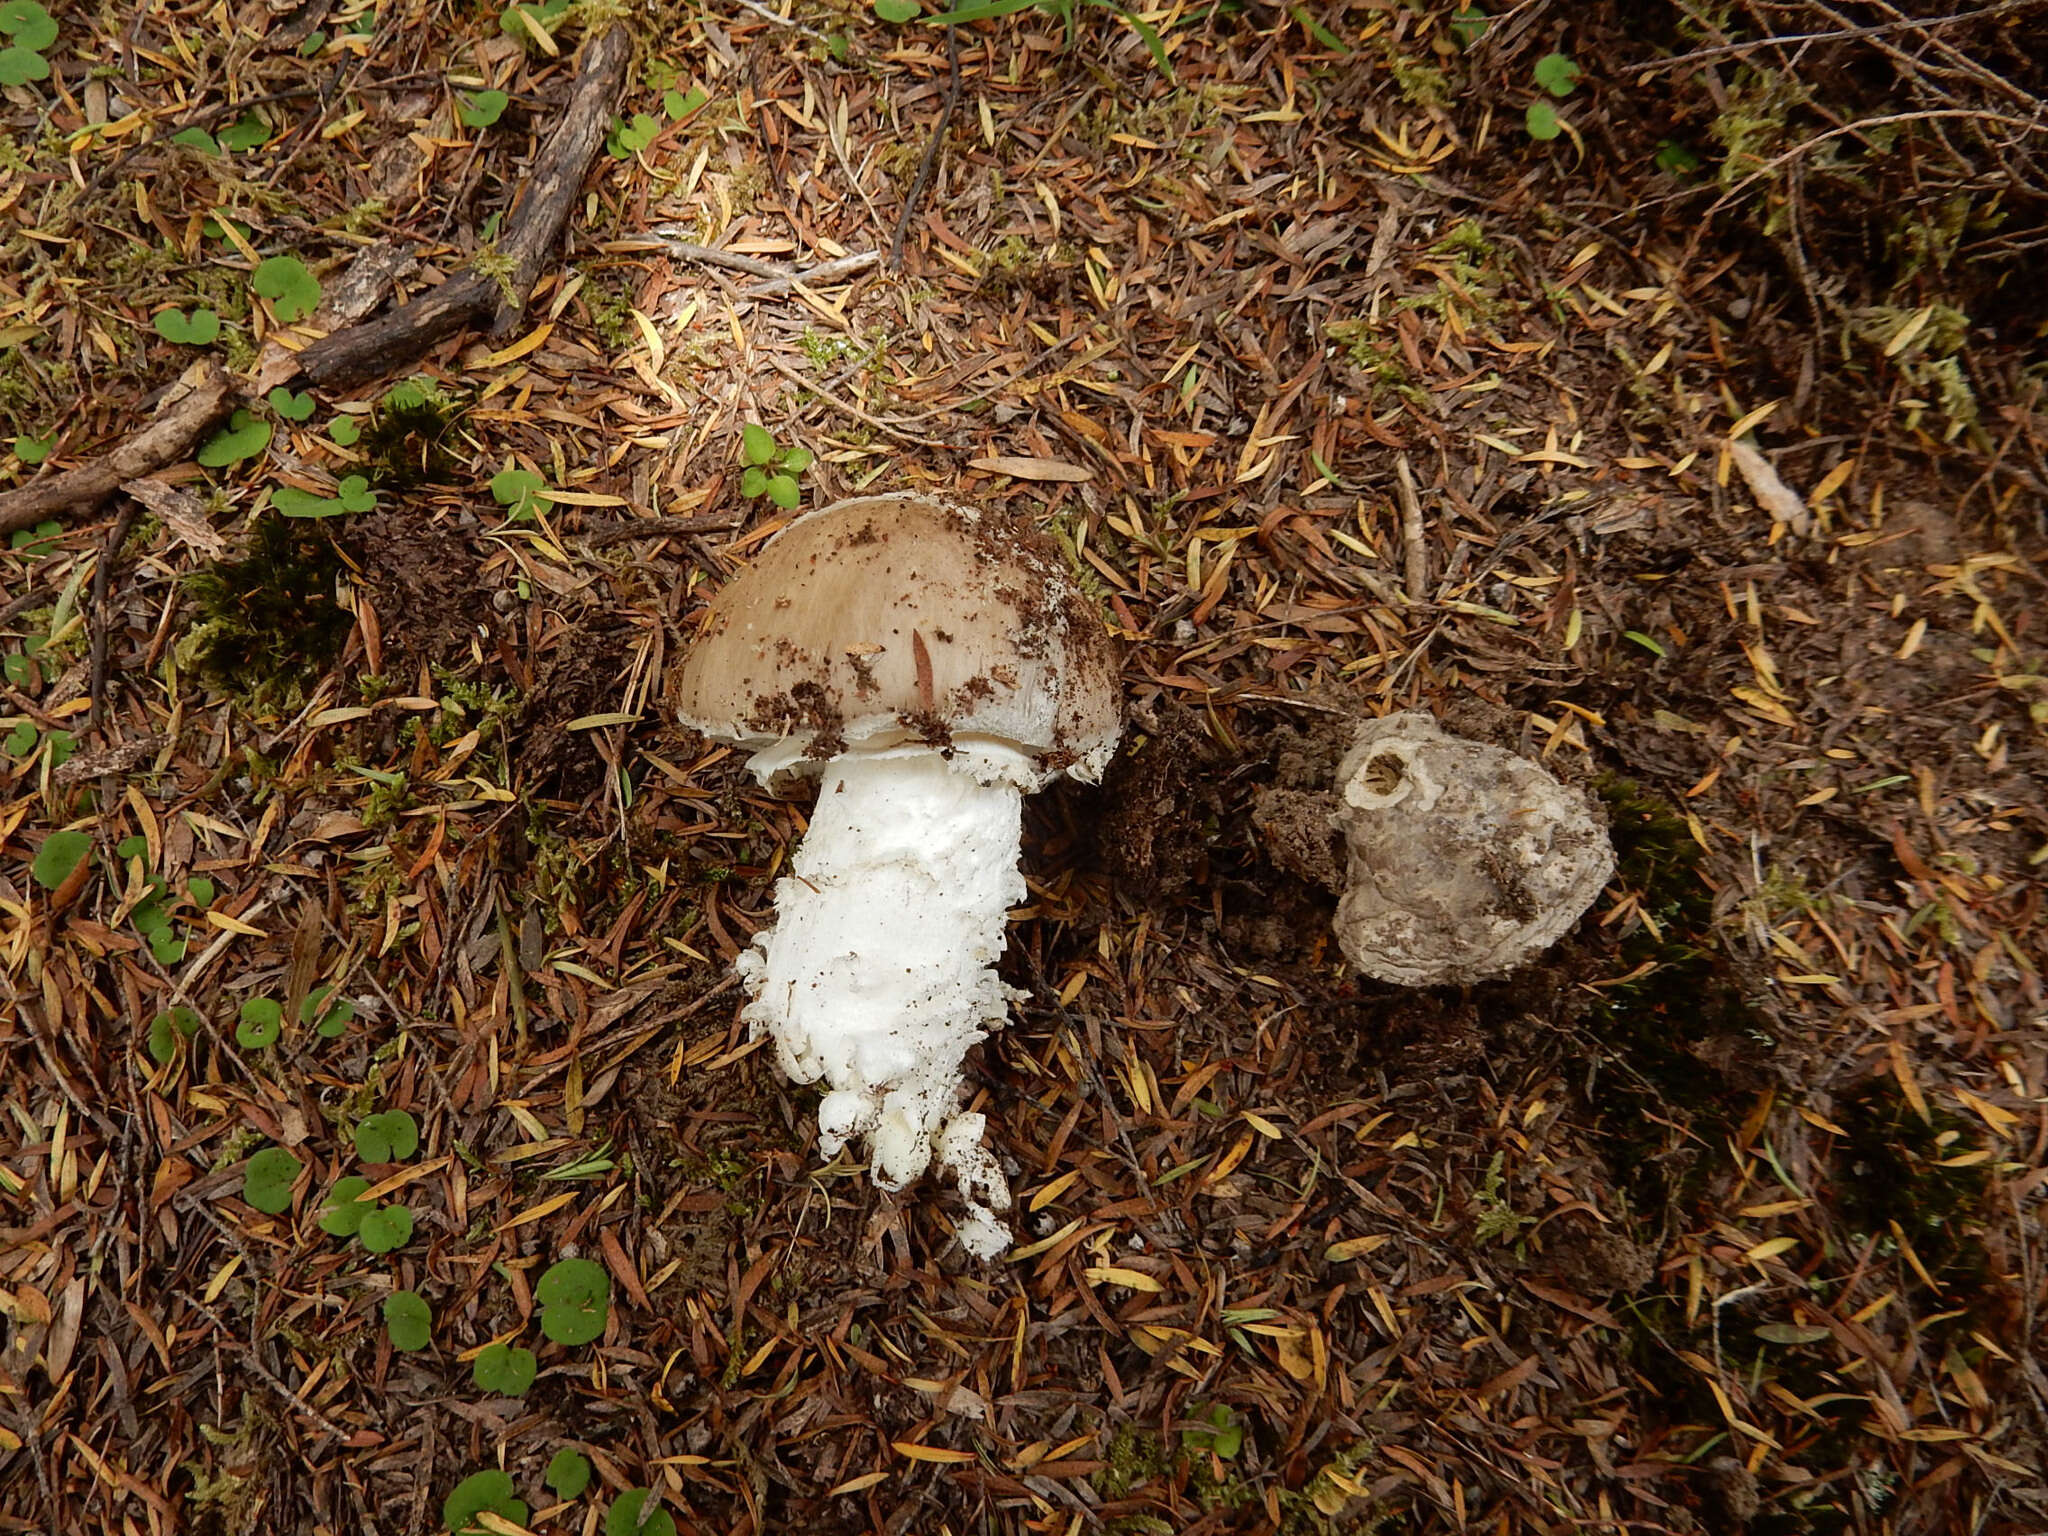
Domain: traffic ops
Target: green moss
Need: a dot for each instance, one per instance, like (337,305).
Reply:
(1134,1459)
(1890,1183)
(609,299)
(407,440)
(268,622)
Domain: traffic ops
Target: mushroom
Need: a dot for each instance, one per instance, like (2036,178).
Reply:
(931,664)
(1464,860)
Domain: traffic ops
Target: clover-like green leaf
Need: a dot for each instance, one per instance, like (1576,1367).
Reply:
(248,132)
(355,495)
(680,104)
(329,1015)
(408,1320)
(1542,121)
(33,450)
(898,11)
(293,291)
(504,1369)
(243,437)
(23,739)
(483,109)
(21,66)
(168,949)
(197,329)
(201,890)
(166,1029)
(390,1137)
(293,502)
(385,1229)
(197,138)
(345,430)
(574,1296)
(520,490)
(783,491)
(756,445)
(1469,24)
(133,846)
(315,41)
(28,24)
(292,407)
(543,13)
(1558,74)
(61,853)
(626,1519)
(261,1021)
(268,1178)
(568,1473)
(343,1213)
(478,1492)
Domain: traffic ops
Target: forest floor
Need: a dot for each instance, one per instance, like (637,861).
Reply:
(342,836)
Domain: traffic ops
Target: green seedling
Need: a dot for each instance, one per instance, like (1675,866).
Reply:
(480,1492)
(897,12)
(33,450)
(261,1022)
(330,1019)
(59,857)
(243,437)
(386,1229)
(34,543)
(26,667)
(345,430)
(196,329)
(28,30)
(574,1296)
(315,41)
(391,1137)
(627,139)
(268,1178)
(1215,1432)
(292,407)
(23,741)
(408,1320)
(680,104)
(353,494)
(293,291)
(1067,13)
(342,1215)
(482,109)
(531,20)
(568,1473)
(197,138)
(630,1516)
(1560,76)
(248,132)
(521,492)
(504,1369)
(771,470)
(167,1029)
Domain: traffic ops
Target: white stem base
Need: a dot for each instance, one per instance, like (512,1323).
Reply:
(879,972)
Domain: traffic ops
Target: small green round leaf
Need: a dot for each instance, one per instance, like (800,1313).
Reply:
(680,104)
(354,494)
(329,1015)
(408,1320)
(194,330)
(569,1473)
(898,11)
(243,437)
(33,450)
(163,1039)
(197,138)
(27,24)
(574,1296)
(478,1492)
(521,490)
(345,430)
(168,948)
(293,502)
(386,1229)
(753,481)
(482,109)
(251,132)
(756,446)
(1542,121)
(268,1178)
(343,1214)
(783,491)
(315,41)
(261,1022)
(797,460)
(61,853)
(292,407)
(294,292)
(200,889)
(20,66)
(390,1137)
(505,1369)
(23,739)
(1557,74)
(624,1519)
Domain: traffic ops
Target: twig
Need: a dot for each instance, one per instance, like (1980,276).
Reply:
(931,150)
(847,407)
(1911,24)
(779,275)
(116,537)
(1413,549)
(765,14)
(824,272)
(711,256)
(376,346)
(194,403)
(660,527)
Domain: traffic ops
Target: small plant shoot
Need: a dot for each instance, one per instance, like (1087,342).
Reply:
(343,1214)
(293,291)
(268,1178)
(771,470)
(262,1020)
(630,1516)
(574,1296)
(195,329)
(505,1369)
(408,1320)
(480,1492)
(60,855)
(243,437)
(386,1229)
(390,1137)
(568,1473)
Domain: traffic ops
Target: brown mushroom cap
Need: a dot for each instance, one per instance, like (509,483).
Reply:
(901,618)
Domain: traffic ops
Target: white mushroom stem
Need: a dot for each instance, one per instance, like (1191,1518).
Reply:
(879,972)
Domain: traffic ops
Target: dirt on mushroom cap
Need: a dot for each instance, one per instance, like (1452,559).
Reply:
(909,618)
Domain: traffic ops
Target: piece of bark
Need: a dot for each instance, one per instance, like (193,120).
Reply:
(199,399)
(378,346)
